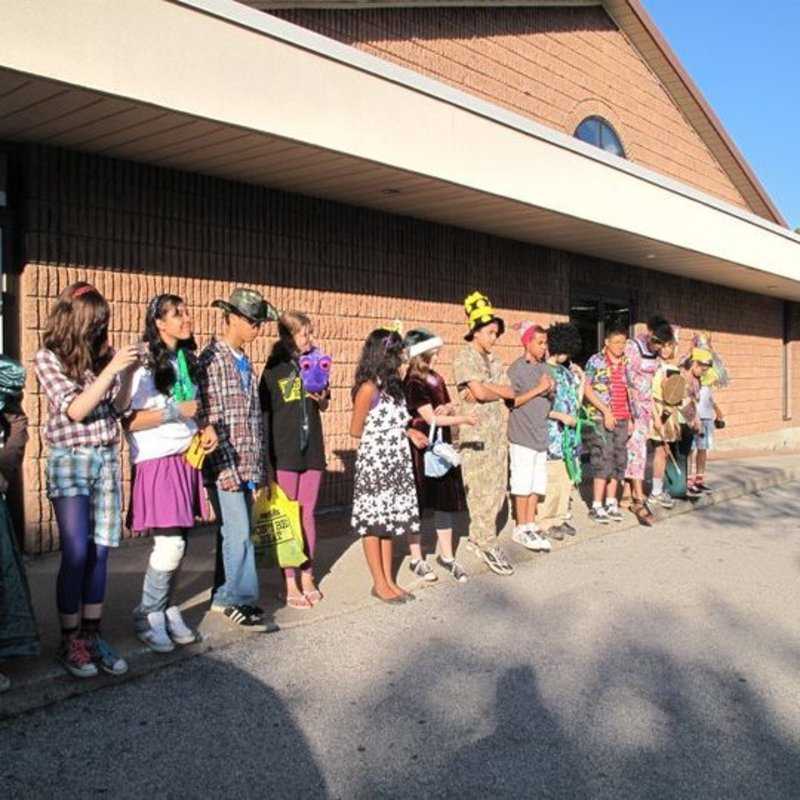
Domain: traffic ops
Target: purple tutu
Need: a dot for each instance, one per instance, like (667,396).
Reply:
(167,493)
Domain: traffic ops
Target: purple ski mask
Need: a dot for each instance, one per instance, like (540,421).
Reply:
(315,370)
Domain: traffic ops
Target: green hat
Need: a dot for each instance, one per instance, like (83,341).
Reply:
(248,303)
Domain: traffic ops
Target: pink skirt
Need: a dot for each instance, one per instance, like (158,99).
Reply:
(167,493)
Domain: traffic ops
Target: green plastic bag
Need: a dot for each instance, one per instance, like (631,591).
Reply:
(183,389)
(276,530)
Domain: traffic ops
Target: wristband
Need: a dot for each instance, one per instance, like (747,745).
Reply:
(171,413)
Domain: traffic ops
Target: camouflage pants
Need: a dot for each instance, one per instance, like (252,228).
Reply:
(485,470)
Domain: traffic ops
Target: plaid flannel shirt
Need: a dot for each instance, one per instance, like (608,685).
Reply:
(236,417)
(100,428)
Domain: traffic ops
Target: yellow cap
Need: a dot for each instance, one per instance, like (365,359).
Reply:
(701,355)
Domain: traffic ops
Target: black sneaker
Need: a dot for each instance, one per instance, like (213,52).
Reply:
(244,616)
(599,514)
(423,570)
(614,513)
(256,612)
(457,572)
(567,528)
(556,532)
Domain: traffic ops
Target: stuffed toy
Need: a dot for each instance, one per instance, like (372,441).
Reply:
(315,371)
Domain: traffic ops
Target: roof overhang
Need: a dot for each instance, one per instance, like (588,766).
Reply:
(232,92)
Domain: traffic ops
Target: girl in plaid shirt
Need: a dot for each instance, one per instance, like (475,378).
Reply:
(87,386)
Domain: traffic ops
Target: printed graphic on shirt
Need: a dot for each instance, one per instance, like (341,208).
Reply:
(290,389)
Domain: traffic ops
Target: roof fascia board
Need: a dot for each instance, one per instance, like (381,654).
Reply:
(236,13)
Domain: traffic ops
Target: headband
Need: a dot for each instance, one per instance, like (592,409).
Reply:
(424,346)
(83,290)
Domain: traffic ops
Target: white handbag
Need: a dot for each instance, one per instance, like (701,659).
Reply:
(440,457)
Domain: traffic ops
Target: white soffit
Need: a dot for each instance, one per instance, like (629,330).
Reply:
(237,93)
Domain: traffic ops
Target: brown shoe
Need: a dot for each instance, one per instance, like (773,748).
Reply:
(642,513)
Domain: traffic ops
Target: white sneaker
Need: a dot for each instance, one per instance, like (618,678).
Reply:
(179,631)
(156,636)
(539,542)
(531,538)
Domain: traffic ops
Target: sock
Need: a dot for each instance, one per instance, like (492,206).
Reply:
(596,504)
(69,633)
(90,627)
(611,503)
(447,561)
(658,486)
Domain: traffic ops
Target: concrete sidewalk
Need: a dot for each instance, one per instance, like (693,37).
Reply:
(340,571)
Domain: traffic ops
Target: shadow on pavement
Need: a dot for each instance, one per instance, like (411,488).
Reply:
(203,729)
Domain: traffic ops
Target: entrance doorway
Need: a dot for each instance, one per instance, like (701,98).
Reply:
(594,315)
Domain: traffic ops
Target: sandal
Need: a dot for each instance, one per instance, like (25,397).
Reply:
(642,513)
(295,601)
(314,596)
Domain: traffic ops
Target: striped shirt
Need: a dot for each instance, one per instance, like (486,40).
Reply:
(620,405)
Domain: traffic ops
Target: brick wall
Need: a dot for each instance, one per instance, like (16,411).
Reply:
(554,65)
(135,230)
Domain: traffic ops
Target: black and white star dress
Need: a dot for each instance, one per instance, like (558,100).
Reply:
(385,495)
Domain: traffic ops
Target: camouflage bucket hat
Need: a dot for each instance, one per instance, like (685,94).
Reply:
(249,304)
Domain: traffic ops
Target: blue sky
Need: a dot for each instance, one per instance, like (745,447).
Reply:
(744,58)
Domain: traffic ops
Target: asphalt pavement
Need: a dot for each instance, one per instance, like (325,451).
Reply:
(657,663)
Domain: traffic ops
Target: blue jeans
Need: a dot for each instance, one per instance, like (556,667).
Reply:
(236,580)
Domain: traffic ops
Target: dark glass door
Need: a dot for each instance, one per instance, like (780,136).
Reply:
(594,315)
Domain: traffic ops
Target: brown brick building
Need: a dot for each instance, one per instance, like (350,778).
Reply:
(368,161)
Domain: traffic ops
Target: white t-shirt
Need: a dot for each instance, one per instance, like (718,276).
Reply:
(167,439)
(705,403)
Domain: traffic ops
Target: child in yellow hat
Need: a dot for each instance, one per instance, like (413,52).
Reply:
(702,413)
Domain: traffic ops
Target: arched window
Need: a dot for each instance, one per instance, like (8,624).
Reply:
(598,131)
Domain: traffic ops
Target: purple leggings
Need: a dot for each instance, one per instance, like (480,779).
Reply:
(84,564)
(303,487)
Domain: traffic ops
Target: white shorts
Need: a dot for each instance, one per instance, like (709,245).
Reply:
(528,470)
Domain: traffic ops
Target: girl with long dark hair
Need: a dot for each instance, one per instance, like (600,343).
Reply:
(87,386)
(167,493)
(385,497)
(297,449)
